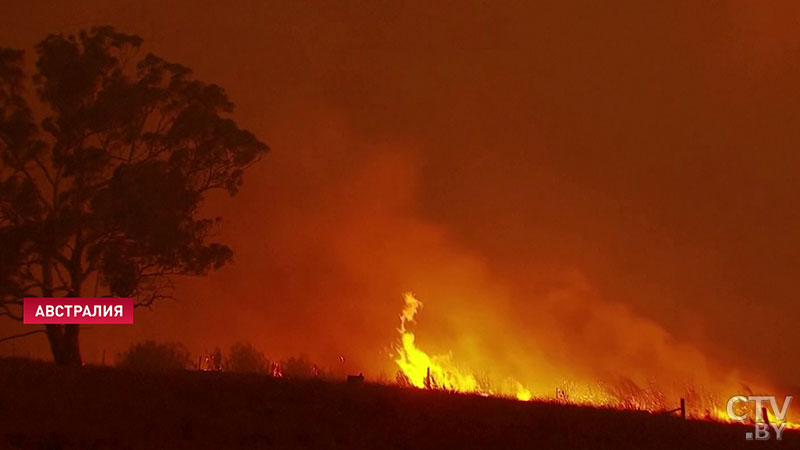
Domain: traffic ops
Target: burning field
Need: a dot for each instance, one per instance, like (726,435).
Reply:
(699,399)
(467,224)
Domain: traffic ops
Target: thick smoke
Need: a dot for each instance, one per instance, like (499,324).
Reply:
(574,192)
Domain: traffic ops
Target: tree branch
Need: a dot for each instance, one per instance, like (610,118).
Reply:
(21,335)
(7,312)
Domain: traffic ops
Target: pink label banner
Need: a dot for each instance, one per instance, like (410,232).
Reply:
(77,310)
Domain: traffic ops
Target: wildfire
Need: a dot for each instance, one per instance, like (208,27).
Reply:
(438,371)
(421,370)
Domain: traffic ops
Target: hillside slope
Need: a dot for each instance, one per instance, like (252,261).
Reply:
(47,407)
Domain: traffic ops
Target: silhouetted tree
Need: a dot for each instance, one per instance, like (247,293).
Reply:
(243,357)
(104,191)
(154,357)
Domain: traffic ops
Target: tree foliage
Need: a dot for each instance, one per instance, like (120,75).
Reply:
(105,189)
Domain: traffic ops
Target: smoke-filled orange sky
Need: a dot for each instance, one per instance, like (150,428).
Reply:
(572,189)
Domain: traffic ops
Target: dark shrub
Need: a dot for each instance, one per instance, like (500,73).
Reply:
(243,357)
(152,356)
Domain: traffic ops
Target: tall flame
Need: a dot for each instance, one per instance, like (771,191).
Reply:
(438,371)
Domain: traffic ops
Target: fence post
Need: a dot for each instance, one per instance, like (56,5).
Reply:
(683,408)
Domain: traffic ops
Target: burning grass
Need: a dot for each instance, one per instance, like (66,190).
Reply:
(440,372)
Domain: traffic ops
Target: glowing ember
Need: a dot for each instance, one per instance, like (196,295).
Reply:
(523,393)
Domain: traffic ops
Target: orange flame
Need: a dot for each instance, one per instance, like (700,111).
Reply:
(440,372)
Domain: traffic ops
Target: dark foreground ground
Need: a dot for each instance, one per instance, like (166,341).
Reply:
(46,407)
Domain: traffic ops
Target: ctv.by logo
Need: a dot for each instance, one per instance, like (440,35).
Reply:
(762,423)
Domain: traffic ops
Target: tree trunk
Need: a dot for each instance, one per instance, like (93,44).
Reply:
(63,338)
(64,344)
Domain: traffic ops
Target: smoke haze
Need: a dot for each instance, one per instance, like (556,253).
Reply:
(573,190)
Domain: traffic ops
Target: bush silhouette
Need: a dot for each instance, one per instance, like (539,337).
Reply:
(243,357)
(155,357)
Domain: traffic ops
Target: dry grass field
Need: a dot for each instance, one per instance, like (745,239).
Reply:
(47,407)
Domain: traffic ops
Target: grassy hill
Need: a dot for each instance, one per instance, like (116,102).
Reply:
(48,407)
